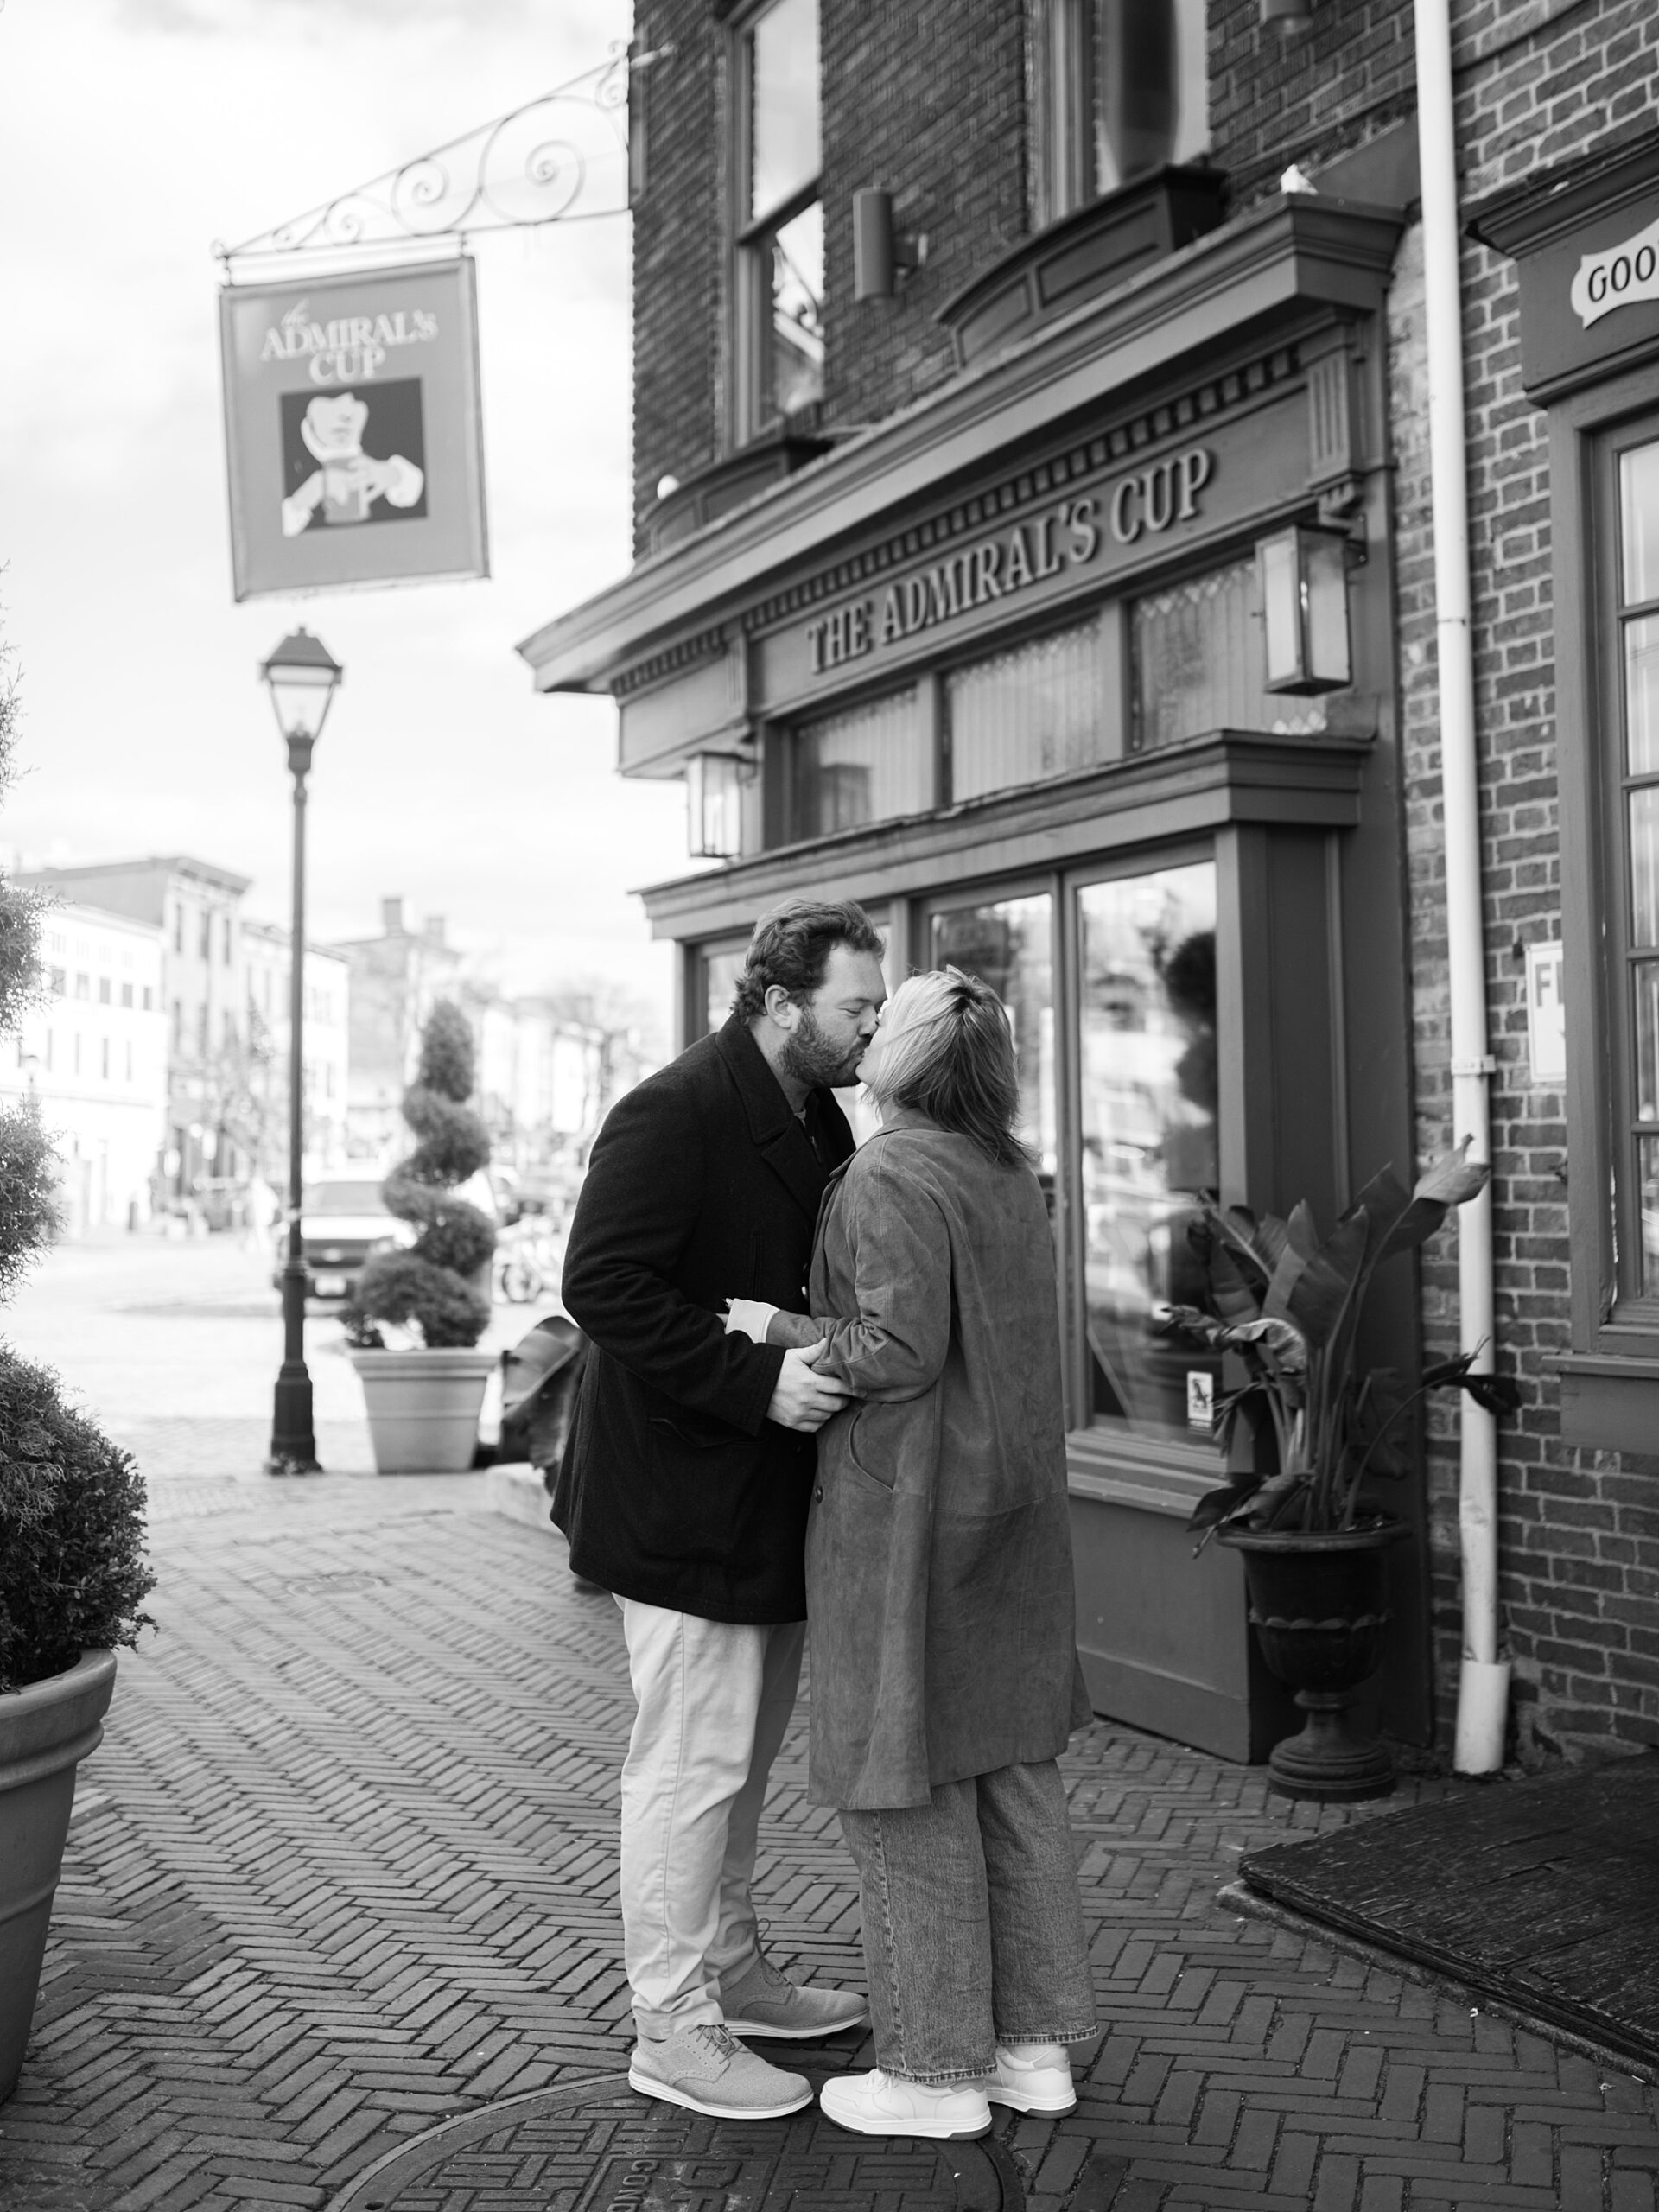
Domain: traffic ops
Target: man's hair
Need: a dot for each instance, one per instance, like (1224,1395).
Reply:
(951,1057)
(792,947)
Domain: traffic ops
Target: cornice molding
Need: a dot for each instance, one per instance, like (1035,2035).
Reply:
(1259,277)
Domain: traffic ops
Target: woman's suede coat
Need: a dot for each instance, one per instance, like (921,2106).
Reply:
(938,1552)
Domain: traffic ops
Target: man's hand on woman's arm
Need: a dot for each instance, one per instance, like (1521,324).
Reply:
(804,1400)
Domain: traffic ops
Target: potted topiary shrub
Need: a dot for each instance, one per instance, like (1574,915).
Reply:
(1306,1426)
(423,1392)
(73,1574)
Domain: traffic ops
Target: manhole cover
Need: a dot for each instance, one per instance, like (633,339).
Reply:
(595,2146)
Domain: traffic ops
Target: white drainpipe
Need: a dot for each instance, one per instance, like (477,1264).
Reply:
(1483,1690)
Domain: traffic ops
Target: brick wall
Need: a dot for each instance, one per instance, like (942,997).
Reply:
(1274,101)
(927,101)
(1579,1530)
(676,248)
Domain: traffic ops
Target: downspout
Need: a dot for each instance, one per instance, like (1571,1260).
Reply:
(1484,1684)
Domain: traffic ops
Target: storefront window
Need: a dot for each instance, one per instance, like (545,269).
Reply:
(780,218)
(1638,654)
(868,765)
(1031,713)
(1147,1132)
(1199,663)
(1009,944)
(718,967)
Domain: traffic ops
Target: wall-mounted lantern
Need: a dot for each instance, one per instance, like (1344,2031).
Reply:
(1304,579)
(714,791)
(879,250)
(1290,18)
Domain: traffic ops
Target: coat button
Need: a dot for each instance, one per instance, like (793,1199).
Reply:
(818,1493)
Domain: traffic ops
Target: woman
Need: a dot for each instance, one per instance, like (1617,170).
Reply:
(944,1671)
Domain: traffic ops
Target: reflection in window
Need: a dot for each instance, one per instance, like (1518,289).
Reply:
(1117,88)
(1639,504)
(1028,714)
(780,228)
(868,765)
(1147,1070)
(1009,945)
(1198,663)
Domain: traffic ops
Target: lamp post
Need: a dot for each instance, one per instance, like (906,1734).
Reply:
(301,676)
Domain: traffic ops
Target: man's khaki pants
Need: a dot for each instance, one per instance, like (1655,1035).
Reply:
(715,1698)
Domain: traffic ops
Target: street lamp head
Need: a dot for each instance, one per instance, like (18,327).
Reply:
(301,676)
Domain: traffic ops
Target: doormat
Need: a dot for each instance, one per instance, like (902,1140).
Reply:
(596,2147)
(1543,1895)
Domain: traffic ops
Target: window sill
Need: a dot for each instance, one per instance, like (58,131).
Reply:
(1608,1404)
(1114,1468)
(1098,246)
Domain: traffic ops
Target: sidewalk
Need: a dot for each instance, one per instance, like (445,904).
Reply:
(343,1871)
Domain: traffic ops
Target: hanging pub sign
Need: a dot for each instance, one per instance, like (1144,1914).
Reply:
(352,430)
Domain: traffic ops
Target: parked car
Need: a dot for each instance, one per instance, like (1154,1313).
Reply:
(343,1219)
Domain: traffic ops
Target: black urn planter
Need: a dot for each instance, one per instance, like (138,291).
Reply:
(1318,1605)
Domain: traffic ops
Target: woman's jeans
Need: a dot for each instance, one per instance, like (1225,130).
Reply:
(973,1927)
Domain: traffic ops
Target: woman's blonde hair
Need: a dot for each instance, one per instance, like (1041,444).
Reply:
(951,1057)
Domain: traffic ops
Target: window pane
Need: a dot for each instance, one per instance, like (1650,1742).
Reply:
(1023,715)
(1639,500)
(1147,1067)
(1198,663)
(1009,945)
(1644,977)
(1644,866)
(1151,76)
(719,983)
(796,377)
(865,765)
(1647,1156)
(784,151)
(1641,696)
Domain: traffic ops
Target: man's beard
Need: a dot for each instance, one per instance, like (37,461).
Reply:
(809,1057)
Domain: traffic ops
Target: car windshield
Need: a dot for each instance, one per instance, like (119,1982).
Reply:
(344,1198)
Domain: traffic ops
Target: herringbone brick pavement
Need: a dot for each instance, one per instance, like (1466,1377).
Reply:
(344,1868)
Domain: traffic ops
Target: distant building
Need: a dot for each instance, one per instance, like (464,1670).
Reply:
(265,965)
(395,979)
(196,907)
(94,1056)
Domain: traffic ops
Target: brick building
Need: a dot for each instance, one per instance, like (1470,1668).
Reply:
(1034,541)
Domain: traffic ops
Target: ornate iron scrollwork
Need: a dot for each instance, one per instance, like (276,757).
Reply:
(561,157)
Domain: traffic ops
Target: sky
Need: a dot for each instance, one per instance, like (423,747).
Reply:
(133,134)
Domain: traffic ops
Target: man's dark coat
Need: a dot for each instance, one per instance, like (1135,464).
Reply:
(675,1489)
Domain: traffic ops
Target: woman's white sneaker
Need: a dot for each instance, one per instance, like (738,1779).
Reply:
(887,2104)
(1037,2079)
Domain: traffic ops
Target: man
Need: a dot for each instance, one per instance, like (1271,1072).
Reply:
(686,1482)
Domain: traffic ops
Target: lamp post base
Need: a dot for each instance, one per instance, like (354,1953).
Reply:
(293,1439)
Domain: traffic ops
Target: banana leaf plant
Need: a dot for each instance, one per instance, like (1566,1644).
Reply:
(1289,1305)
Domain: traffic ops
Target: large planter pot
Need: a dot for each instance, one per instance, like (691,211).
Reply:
(1318,1604)
(46,1729)
(424,1408)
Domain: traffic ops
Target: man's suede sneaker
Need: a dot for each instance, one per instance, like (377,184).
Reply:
(705,2070)
(761,2002)
(887,2104)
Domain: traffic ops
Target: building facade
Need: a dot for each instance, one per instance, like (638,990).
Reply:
(1034,543)
(93,1057)
(197,908)
(327,1046)
(396,978)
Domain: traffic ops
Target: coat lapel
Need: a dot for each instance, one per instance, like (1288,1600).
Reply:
(779,1137)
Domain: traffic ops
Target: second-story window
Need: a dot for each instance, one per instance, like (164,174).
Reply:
(778,302)
(1116,88)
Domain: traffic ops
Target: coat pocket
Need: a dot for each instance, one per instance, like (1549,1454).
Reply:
(702,1490)
(873,1435)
